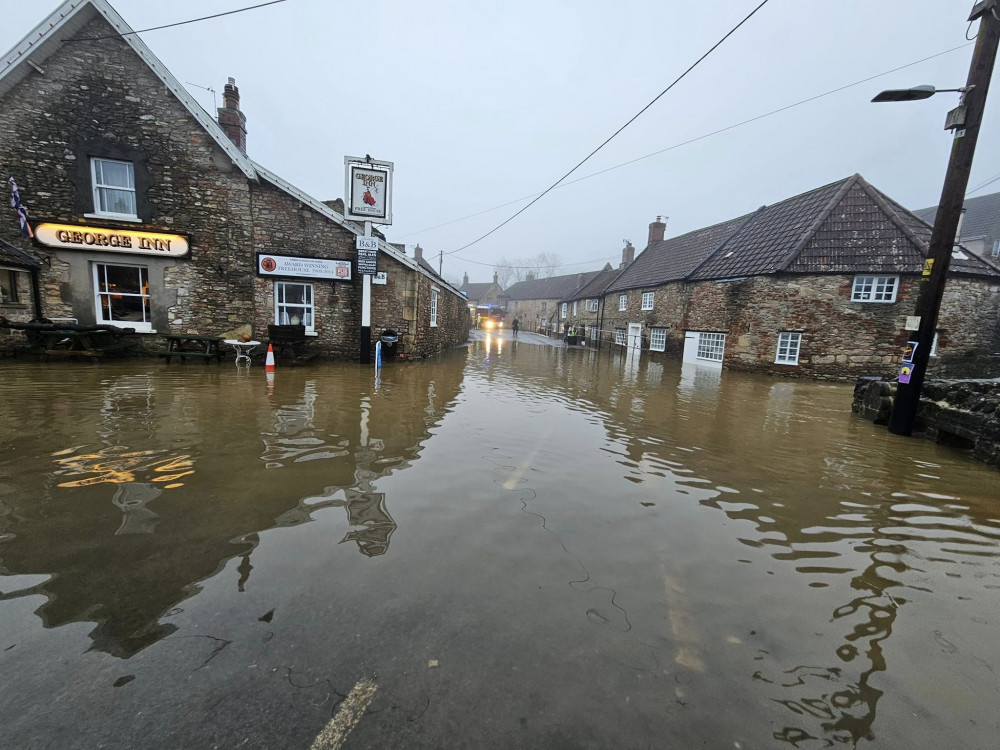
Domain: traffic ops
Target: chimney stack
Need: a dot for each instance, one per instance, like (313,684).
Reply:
(465,279)
(530,276)
(231,120)
(656,231)
(628,252)
(496,278)
(418,253)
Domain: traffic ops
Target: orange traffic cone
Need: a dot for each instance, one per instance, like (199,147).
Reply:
(269,362)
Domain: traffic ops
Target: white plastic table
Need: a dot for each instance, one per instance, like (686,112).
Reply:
(243,349)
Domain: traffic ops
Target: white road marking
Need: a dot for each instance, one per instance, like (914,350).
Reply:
(348,715)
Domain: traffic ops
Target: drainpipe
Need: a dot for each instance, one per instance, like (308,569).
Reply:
(600,323)
(36,293)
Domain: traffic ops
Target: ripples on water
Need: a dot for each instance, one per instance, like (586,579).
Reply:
(785,540)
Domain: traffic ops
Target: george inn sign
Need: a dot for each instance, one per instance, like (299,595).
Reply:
(72,237)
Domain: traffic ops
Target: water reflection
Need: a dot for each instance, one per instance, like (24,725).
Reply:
(121,550)
(716,539)
(821,495)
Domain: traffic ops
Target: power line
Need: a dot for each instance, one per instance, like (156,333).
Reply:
(981,185)
(699,138)
(613,135)
(178,23)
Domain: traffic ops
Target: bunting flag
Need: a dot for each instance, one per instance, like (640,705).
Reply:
(22,212)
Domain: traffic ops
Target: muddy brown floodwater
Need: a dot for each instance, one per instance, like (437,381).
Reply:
(512,545)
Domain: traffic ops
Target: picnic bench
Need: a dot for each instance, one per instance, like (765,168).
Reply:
(289,342)
(48,339)
(185,345)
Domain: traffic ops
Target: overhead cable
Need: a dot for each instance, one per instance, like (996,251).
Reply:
(178,23)
(698,138)
(613,135)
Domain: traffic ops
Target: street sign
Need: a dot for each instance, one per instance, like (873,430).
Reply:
(367,255)
(381,278)
(912,323)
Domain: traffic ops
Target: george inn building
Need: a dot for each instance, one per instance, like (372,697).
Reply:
(149,214)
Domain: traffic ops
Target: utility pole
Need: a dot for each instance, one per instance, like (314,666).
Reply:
(932,282)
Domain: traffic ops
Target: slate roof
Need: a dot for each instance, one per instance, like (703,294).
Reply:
(597,286)
(11,256)
(553,287)
(674,258)
(475,291)
(982,218)
(844,227)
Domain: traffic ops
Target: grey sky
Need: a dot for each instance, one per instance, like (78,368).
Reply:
(481,103)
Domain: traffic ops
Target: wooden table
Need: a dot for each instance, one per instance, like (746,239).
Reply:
(186,345)
(65,343)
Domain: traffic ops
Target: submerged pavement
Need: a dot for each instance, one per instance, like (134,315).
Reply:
(518,544)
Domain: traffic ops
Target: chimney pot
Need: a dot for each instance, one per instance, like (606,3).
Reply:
(465,279)
(628,254)
(656,231)
(232,121)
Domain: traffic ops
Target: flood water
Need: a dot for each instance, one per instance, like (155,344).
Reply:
(522,545)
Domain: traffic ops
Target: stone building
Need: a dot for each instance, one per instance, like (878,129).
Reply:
(149,214)
(817,285)
(488,295)
(538,303)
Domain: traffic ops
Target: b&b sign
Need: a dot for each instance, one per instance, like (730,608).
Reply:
(367,255)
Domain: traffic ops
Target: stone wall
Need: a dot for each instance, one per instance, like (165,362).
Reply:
(841,339)
(530,313)
(962,413)
(98,98)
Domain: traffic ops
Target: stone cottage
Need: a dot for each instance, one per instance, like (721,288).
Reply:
(817,285)
(979,230)
(539,303)
(487,295)
(149,214)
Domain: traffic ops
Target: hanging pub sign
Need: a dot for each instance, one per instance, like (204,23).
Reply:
(135,242)
(368,189)
(303,268)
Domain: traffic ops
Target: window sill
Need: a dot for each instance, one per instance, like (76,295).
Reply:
(312,333)
(114,217)
(14,305)
(118,324)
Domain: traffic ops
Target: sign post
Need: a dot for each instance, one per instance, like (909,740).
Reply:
(368,198)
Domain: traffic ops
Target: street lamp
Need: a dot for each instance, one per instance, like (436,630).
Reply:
(965,121)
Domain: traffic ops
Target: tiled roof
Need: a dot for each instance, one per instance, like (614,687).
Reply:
(597,285)
(475,291)
(844,227)
(673,259)
(11,256)
(771,237)
(554,287)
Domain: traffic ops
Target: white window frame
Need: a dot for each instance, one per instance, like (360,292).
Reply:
(279,303)
(97,186)
(622,302)
(647,301)
(875,289)
(591,333)
(591,305)
(434,308)
(711,346)
(934,342)
(139,325)
(620,338)
(657,339)
(544,305)
(565,308)
(574,307)
(996,248)
(789,346)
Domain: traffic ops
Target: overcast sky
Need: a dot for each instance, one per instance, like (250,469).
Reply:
(482,103)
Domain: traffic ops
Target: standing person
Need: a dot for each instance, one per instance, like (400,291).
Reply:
(566,331)
(515,325)
(479,320)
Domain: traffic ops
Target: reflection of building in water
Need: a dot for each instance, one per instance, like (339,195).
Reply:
(128,554)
